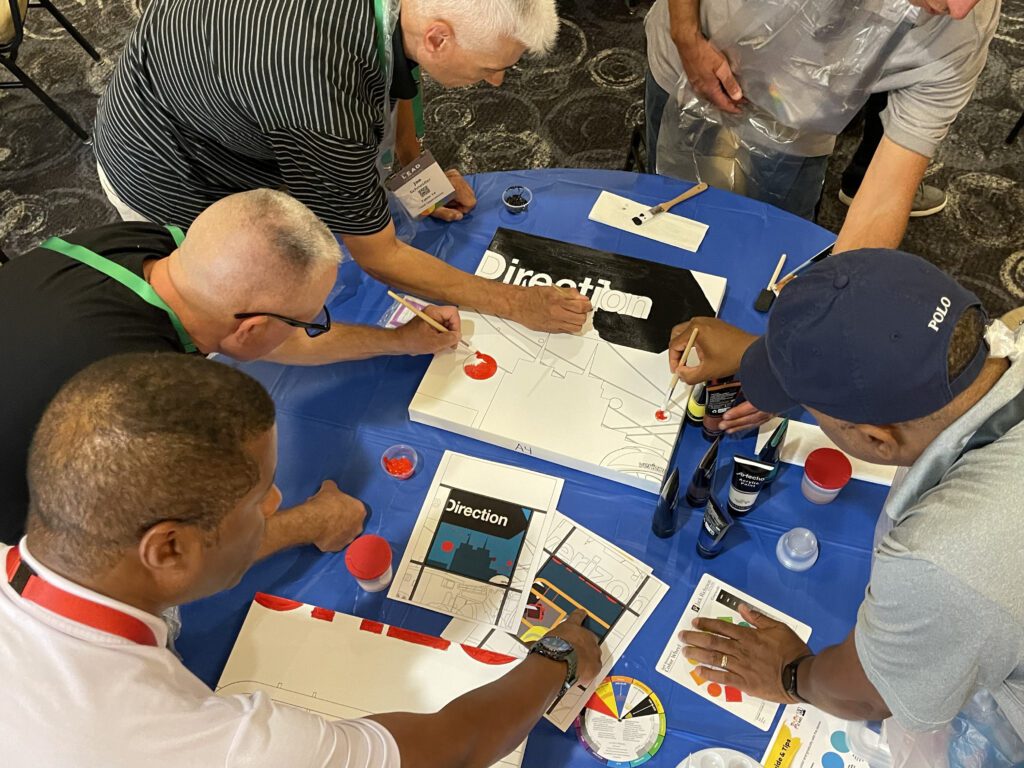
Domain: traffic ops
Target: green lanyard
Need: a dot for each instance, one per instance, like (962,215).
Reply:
(125,277)
(383,36)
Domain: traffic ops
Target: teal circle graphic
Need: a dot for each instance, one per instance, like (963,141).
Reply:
(832,760)
(839,742)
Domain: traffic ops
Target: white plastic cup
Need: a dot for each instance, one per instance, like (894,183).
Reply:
(376,585)
(826,473)
(797,549)
(368,559)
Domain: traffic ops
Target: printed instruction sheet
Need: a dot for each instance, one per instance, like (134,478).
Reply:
(714,599)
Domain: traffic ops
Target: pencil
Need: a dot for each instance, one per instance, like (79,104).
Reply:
(778,269)
(683,359)
(425,317)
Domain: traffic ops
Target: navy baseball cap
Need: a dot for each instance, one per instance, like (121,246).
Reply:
(862,336)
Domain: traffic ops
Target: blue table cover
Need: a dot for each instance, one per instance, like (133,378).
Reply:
(336,420)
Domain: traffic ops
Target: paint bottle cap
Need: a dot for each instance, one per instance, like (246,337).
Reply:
(368,557)
(828,468)
(797,549)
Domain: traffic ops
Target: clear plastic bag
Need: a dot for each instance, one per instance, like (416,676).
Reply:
(806,68)
(979,737)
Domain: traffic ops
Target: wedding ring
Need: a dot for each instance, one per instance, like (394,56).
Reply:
(725,662)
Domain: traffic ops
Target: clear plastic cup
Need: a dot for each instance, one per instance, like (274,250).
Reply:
(797,549)
(517,198)
(400,461)
(368,558)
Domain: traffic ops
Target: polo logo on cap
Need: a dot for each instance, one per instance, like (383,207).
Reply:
(940,313)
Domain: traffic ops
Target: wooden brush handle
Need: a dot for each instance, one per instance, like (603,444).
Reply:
(691,192)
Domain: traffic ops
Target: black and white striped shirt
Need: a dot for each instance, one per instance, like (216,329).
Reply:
(213,97)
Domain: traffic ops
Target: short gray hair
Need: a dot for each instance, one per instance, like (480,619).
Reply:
(292,230)
(477,24)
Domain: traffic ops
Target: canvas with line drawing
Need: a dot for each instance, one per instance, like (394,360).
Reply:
(586,400)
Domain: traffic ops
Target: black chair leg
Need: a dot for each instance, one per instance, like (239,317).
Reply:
(1016,130)
(71,29)
(44,97)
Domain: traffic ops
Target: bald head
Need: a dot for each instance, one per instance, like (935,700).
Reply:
(254,251)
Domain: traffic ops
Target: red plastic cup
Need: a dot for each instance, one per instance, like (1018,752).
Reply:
(368,558)
(826,473)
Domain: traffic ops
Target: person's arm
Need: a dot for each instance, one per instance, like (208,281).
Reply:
(330,520)
(881,209)
(833,681)
(482,726)
(706,68)
(391,261)
(407,143)
(359,342)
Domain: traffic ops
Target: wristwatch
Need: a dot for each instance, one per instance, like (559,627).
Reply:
(789,675)
(558,649)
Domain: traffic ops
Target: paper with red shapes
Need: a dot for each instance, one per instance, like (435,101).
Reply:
(714,599)
(347,667)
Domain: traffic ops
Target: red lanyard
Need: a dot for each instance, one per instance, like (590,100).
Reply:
(31,586)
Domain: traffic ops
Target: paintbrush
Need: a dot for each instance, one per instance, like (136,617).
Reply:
(427,319)
(813,260)
(650,213)
(675,376)
(767,296)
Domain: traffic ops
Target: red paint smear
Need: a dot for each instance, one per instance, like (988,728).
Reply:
(399,467)
(661,415)
(714,689)
(732,694)
(447,546)
(371,626)
(483,367)
(275,603)
(323,614)
(417,637)
(487,657)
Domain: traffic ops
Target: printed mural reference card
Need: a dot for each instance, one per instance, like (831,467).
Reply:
(478,541)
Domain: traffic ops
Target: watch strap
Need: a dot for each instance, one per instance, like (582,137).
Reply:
(789,677)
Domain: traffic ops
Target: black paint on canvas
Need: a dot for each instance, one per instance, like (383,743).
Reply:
(674,293)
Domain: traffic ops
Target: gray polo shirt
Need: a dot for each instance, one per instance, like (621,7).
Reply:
(930,76)
(943,615)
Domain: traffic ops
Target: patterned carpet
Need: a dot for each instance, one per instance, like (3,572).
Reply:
(575,108)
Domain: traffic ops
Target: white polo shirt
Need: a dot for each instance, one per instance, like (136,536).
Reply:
(73,695)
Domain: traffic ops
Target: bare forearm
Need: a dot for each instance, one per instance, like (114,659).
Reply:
(684,20)
(410,269)
(284,531)
(881,209)
(480,727)
(834,681)
(343,342)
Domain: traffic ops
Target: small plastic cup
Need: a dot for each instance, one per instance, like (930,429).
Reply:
(517,198)
(826,473)
(368,558)
(797,549)
(400,461)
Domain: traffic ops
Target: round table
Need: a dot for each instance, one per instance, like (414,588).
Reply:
(335,421)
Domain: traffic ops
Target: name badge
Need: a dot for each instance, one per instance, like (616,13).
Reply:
(421,186)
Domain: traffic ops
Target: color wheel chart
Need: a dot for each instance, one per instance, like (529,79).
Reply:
(623,724)
(732,695)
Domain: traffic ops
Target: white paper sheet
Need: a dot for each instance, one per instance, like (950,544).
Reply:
(802,438)
(714,599)
(343,667)
(581,570)
(808,738)
(668,228)
(477,541)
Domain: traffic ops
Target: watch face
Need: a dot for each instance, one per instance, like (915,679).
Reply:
(555,644)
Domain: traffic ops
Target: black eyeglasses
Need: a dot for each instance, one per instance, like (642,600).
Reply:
(322,324)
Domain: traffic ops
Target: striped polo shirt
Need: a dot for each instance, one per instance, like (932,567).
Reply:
(212,98)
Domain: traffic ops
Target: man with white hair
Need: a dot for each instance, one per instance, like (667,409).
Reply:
(215,98)
(249,281)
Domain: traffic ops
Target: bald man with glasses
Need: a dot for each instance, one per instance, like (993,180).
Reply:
(250,281)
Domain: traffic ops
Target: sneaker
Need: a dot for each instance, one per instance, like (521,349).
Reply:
(928,200)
